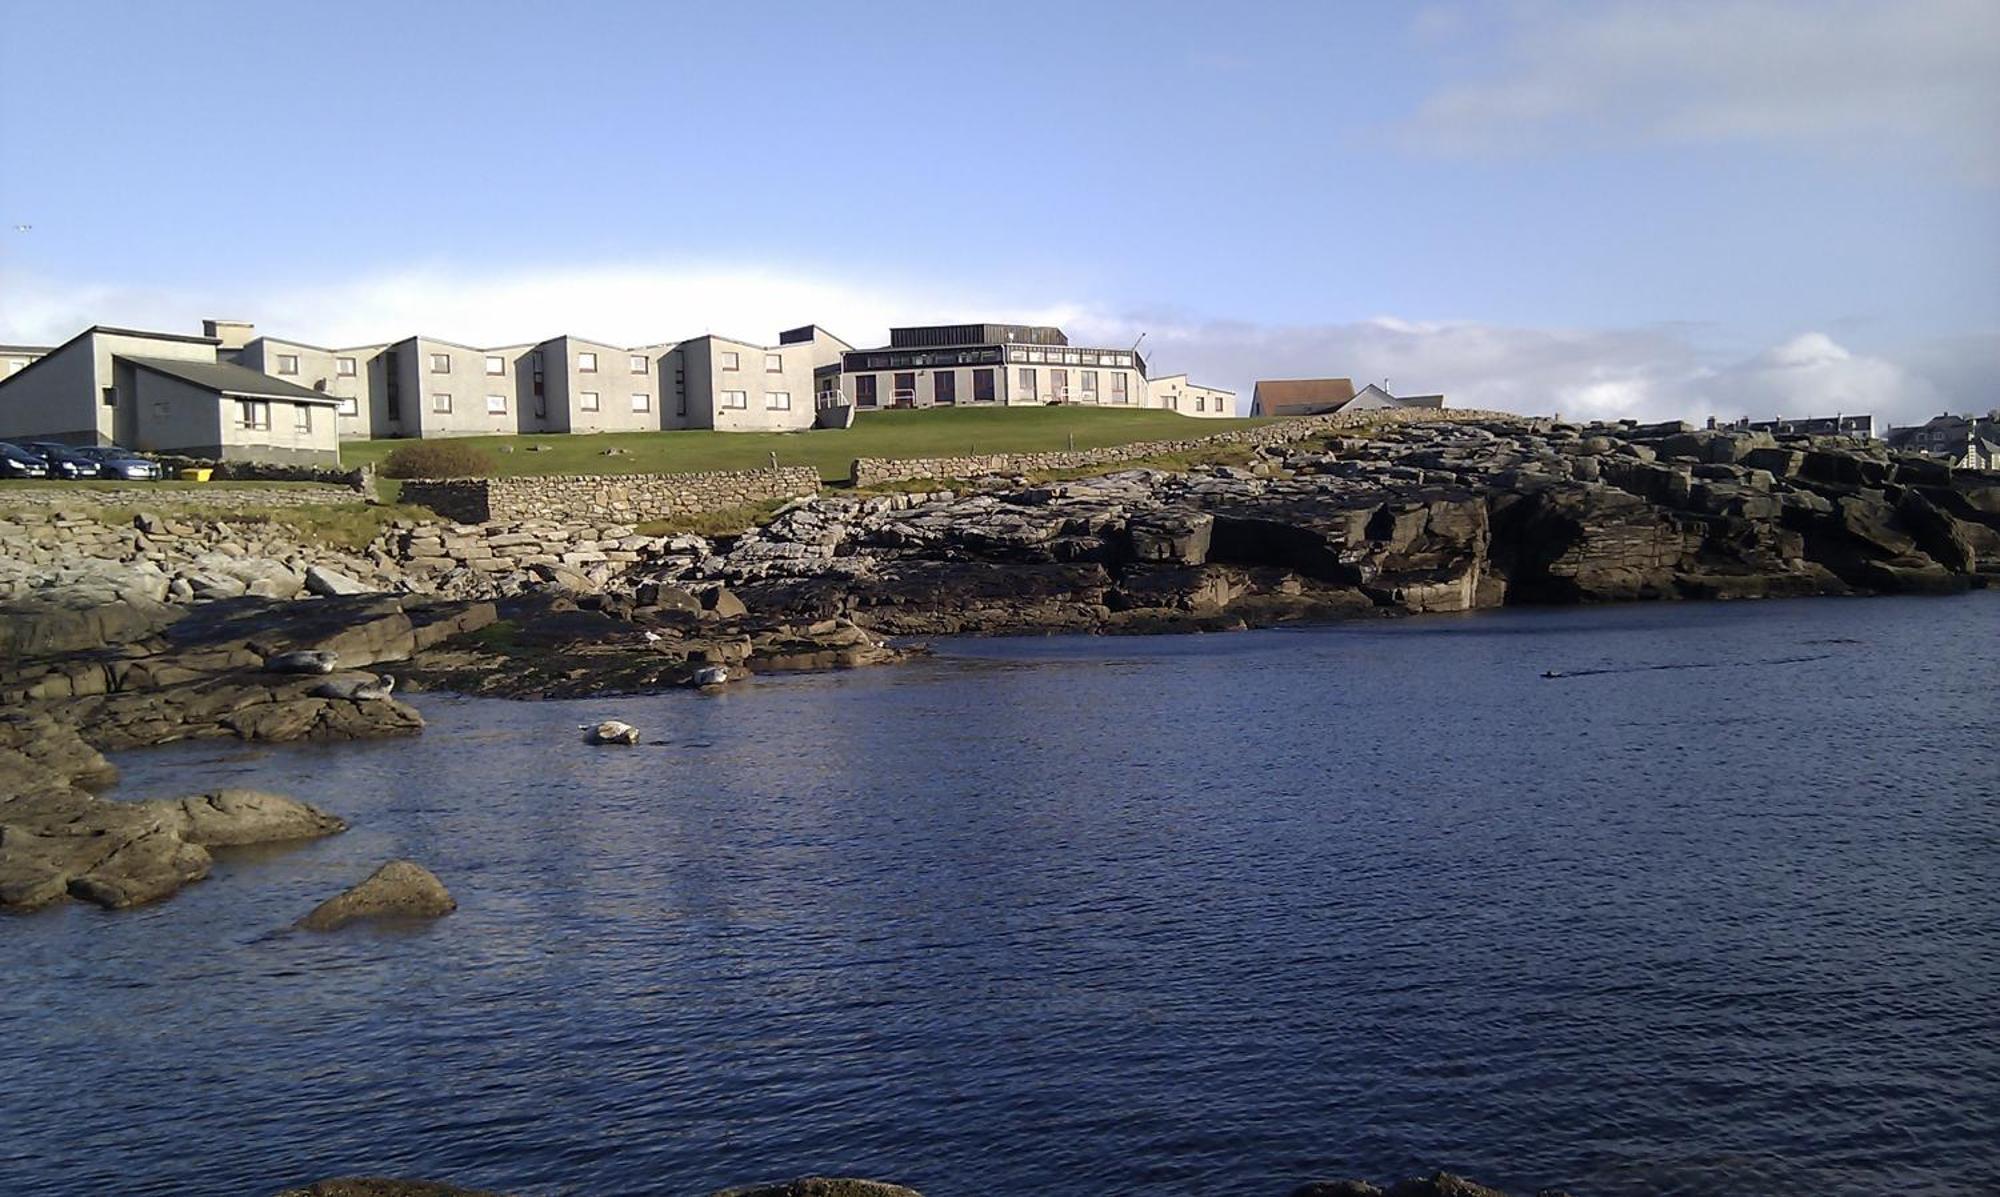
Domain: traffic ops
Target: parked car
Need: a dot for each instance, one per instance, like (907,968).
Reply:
(114,462)
(16,462)
(63,460)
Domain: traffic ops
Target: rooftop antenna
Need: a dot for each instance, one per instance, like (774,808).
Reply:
(1135,344)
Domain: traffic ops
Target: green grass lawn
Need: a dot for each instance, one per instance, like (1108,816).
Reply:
(896,434)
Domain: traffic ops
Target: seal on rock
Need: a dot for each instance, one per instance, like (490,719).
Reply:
(611,731)
(310,660)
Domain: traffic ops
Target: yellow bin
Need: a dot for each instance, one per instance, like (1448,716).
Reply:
(194,474)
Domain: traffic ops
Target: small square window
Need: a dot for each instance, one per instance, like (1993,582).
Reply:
(344,366)
(778,400)
(586,401)
(496,405)
(642,402)
(495,364)
(774,363)
(441,403)
(350,407)
(729,359)
(586,363)
(640,365)
(736,399)
(288,363)
(440,363)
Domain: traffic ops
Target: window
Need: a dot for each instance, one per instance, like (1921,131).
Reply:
(1059,385)
(864,390)
(302,417)
(1118,381)
(288,363)
(1200,403)
(777,400)
(944,387)
(1090,386)
(1027,383)
(344,366)
(982,386)
(111,396)
(441,403)
(681,401)
(640,365)
(642,402)
(586,363)
(878,363)
(906,390)
(350,407)
(729,359)
(440,363)
(586,400)
(739,399)
(495,364)
(253,413)
(496,405)
(774,363)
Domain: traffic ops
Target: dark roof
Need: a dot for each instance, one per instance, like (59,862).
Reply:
(228,378)
(1294,396)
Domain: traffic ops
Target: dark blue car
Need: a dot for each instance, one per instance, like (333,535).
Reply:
(63,460)
(114,462)
(16,462)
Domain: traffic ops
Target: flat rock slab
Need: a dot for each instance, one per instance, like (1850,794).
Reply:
(119,854)
(401,889)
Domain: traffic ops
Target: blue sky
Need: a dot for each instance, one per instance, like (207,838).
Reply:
(1601,209)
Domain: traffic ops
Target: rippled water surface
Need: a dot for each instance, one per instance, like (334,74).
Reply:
(1206,915)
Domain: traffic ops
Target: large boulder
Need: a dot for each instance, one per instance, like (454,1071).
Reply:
(1171,537)
(331,583)
(401,889)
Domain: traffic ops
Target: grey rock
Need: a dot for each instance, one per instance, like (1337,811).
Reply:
(323,581)
(400,889)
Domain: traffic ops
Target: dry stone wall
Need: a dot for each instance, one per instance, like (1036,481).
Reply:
(85,496)
(877,471)
(610,498)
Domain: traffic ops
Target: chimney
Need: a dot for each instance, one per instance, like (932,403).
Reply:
(234,334)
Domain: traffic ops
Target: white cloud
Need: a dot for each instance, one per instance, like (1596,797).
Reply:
(1649,373)
(627,305)
(1842,75)
(1643,373)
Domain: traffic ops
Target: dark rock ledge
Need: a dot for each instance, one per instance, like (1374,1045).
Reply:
(1439,1184)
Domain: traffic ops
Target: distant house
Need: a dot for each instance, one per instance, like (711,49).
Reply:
(1968,443)
(1320,396)
(165,393)
(1175,393)
(1374,398)
(1965,441)
(1300,396)
(15,358)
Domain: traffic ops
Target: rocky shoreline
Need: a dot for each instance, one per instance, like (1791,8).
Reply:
(126,636)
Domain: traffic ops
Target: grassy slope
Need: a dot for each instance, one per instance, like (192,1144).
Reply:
(903,434)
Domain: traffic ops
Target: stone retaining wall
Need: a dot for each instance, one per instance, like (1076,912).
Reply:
(85,495)
(876,471)
(615,498)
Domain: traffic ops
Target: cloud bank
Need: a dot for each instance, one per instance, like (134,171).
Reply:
(1649,373)
(1843,76)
